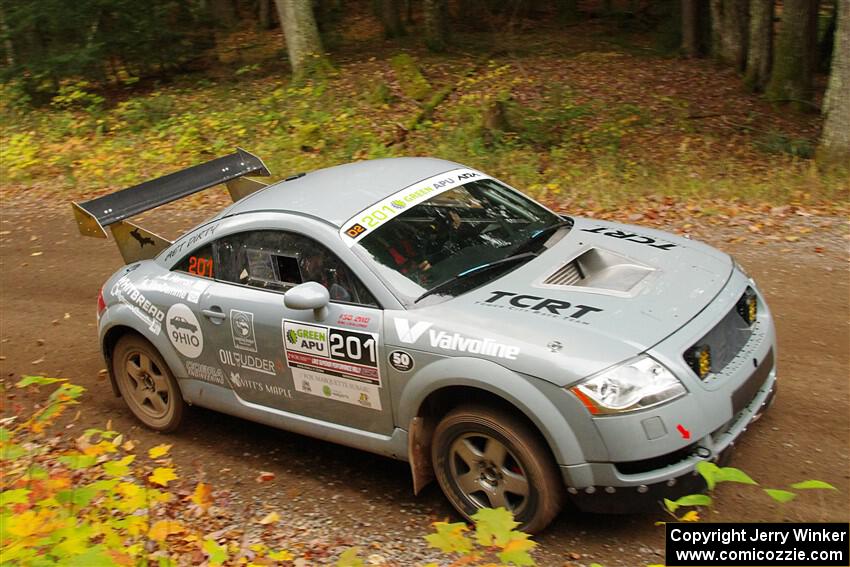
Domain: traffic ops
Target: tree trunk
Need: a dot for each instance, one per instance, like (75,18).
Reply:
(690,28)
(264,14)
(730,30)
(223,12)
(408,12)
(389,12)
(567,10)
(761,41)
(812,36)
(791,77)
(8,47)
(826,42)
(302,36)
(435,14)
(834,149)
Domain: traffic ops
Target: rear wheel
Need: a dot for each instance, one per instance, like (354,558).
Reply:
(486,458)
(146,384)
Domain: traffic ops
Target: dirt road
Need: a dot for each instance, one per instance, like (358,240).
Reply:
(51,276)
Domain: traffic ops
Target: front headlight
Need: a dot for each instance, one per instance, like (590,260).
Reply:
(637,384)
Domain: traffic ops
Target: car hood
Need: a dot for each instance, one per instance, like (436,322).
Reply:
(603,293)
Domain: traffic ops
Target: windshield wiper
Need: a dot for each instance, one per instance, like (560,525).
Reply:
(476,270)
(544,232)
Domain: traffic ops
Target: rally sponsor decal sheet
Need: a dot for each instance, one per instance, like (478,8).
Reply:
(340,364)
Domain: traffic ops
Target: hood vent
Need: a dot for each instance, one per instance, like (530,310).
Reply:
(600,271)
(568,274)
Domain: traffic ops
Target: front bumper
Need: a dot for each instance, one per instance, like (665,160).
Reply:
(653,453)
(613,499)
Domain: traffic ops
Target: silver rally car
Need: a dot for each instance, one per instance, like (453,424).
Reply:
(422,310)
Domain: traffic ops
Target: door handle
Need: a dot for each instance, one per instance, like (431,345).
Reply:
(216,314)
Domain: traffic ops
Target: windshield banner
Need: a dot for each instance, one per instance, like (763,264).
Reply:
(385,210)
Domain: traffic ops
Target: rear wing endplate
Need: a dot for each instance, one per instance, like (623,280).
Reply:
(136,243)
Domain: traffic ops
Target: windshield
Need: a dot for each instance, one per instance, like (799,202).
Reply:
(445,245)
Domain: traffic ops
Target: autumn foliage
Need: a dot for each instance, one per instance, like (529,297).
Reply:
(93,500)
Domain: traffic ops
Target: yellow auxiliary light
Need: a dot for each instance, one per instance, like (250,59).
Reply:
(748,307)
(698,358)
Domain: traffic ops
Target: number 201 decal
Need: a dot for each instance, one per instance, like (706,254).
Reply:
(201,266)
(337,352)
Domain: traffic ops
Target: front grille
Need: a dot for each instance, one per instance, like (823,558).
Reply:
(568,274)
(745,393)
(727,339)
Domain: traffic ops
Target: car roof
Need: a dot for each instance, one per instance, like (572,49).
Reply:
(335,194)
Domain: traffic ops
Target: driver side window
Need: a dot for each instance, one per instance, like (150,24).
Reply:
(278,260)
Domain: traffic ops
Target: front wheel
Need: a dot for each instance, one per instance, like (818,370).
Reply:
(146,384)
(486,458)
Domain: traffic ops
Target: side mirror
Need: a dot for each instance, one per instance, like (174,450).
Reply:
(309,295)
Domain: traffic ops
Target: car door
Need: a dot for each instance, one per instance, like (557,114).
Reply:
(286,359)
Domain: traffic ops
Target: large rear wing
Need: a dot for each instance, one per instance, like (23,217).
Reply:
(136,243)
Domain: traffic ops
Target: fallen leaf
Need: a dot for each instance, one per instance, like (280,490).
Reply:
(36,253)
(271,518)
(159,451)
(692,516)
(203,496)
(265,476)
(38,361)
(67,316)
(791,238)
(164,528)
(162,476)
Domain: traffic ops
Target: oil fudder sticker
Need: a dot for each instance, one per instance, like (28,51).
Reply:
(184,332)
(346,354)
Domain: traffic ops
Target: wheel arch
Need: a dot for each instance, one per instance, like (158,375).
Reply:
(450,382)
(118,321)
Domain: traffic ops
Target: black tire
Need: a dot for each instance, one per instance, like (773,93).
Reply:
(484,457)
(146,384)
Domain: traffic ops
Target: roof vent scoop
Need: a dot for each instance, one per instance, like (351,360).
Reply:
(599,270)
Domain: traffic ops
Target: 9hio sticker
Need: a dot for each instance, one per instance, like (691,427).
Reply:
(183,330)
(377,214)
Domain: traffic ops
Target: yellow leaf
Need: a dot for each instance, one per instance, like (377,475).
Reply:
(159,451)
(99,449)
(164,528)
(270,518)
(162,476)
(203,496)
(128,446)
(281,555)
(692,516)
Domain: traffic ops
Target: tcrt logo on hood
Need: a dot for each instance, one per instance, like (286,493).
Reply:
(537,304)
(630,237)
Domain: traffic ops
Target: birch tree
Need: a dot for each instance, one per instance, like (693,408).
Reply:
(303,42)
